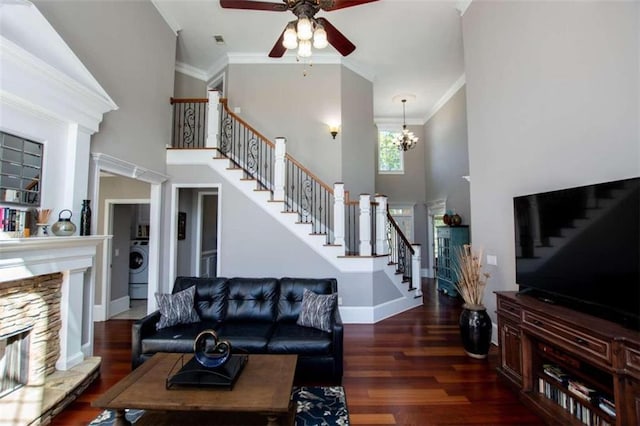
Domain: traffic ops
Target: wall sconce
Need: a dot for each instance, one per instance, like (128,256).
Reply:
(333,129)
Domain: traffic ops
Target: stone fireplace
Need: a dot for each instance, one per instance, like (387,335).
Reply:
(46,289)
(31,307)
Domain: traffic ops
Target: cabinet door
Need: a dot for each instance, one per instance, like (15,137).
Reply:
(510,350)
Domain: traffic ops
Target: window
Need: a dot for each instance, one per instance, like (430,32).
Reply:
(390,158)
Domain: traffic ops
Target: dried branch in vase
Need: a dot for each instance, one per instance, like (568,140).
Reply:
(471,280)
(43,216)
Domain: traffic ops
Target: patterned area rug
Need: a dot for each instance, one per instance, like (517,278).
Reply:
(315,406)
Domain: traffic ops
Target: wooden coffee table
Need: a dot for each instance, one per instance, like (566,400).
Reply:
(261,395)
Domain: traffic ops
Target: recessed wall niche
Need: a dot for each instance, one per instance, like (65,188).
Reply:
(20,170)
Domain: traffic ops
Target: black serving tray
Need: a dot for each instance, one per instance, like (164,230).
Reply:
(193,374)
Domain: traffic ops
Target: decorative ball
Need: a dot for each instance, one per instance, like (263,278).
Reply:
(209,351)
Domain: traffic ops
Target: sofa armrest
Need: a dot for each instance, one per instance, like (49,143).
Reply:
(139,330)
(338,338)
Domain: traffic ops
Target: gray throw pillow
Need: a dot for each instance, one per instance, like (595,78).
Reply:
(316,310)
(177,308)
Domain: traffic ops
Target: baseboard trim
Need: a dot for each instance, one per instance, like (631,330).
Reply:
(374,314)
(118,306)
(99,313)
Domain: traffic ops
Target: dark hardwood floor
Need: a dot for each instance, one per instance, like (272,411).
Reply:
(406,370)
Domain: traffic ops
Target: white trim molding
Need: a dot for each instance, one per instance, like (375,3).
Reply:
(117,166)
(192,71)
(461,81)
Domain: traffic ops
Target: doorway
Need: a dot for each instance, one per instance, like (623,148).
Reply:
(196,231)
(127,220)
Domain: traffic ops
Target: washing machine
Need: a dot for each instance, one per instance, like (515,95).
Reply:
(138,269)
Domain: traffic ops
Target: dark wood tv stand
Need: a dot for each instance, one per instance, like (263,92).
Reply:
(538,339)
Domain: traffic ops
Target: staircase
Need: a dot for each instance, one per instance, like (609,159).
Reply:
(351,235)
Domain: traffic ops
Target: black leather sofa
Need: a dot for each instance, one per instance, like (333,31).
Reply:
(256,315)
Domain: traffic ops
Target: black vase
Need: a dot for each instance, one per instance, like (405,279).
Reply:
(475,330)
(85,218)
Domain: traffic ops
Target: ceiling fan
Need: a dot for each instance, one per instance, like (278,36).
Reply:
(298,33)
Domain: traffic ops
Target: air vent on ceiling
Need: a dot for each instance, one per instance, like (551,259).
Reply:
(219,39)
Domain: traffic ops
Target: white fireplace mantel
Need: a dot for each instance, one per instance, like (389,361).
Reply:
(74,257)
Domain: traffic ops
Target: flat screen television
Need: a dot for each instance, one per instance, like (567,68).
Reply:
(580,247)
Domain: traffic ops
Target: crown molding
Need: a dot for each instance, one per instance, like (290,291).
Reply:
(446,97)
(194,72)
(260,58)
(59,96)
(463,5)
(175,27)
(117,166)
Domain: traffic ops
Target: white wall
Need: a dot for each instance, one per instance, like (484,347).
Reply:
(552,102)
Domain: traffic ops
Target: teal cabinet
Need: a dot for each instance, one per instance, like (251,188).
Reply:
(449,241)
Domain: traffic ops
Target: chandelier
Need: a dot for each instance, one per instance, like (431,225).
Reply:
(302,33)
(406,139)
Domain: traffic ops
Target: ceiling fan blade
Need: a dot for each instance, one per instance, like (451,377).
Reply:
(253,5)
(341,4)
(278,49)
(336,38)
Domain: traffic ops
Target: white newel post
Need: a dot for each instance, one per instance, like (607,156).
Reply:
(416,260)
(213,121)
(279,169)
(382,245)
(365,225)
(338,216)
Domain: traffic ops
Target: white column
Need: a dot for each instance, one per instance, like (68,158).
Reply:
(338,216)
(213,119)
(382,245)
(365,225)
(279,170)
(71,317)
(416,260)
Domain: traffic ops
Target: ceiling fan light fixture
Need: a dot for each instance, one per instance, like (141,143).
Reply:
(304,48)
(320,38)
(290,38)
(305,31)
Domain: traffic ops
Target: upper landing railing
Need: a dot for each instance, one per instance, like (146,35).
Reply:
(362,228)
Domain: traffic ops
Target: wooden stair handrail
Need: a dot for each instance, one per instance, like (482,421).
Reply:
(223,101)
(311,175)
(393,223)
(188,101)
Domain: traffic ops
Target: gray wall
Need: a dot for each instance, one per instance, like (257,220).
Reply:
(186,248)
(447,156)
(186,86)
(130,50)
(278,100)
(122,215)
(357,133)
(253,244)
(552,102)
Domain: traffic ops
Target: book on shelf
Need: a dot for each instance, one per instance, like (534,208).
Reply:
(575,406)
(581,390)
(556,372)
